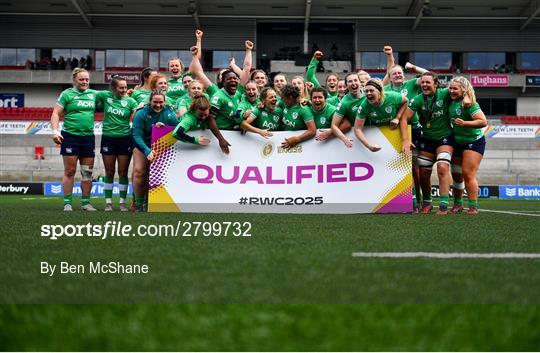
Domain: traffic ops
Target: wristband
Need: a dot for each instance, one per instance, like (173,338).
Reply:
(196,140)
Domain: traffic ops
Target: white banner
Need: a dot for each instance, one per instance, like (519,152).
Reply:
(15,127)
(259,176)
(512,131)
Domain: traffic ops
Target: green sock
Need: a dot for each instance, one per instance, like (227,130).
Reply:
(139,201)
(85,200)
(414,199)
(68,199)
(458,201)
(124,183)
(473,203)
(108,187)
(445,200)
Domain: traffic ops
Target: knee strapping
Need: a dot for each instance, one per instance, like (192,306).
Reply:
(444,157)
(425,162)
(459,186)
(86,172)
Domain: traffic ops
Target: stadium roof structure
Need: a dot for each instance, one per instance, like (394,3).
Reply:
(522,12)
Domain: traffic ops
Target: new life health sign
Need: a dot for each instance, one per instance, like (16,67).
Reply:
(519,192)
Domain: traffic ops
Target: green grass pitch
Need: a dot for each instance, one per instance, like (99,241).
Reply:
(292,285)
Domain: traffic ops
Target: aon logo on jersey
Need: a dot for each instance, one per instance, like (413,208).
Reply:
(85,104)
(115,111)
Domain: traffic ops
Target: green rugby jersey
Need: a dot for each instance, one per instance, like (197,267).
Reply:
(267,119)
(464,134)
(323,117)
(295,117)
(348,106)
(117,113)
(433,114)
(409,89)
(79,109)
(176,89)
(380,114)
(224,106)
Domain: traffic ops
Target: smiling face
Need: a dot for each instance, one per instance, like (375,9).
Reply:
(162,83)
(427,83)
(279,81)
(82,81)
(373,95)
(260,78)
(157,103)
(121,88)
(456,90)
(396,75)
(331,83)
(270,101)
(318,100)
(252,91)
(353,83)
(342,88)
(175,67)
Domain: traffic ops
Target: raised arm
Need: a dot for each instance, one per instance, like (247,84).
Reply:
(198,35)
(312,68)
(390,63)
(196,68)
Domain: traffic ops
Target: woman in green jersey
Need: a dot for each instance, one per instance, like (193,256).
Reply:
(266,119)
(196,116)
(116,146)
(380,108)
(470,143)
(77,140)
(143,90)
(195,89)
(296,117)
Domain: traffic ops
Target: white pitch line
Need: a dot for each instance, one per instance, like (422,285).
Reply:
(512,212)
(443,255)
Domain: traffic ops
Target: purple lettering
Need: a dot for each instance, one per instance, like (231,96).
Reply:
(335,173)
(300,175)
(203,180)
(222,179)
(270,180)
(353,176)
(255,177)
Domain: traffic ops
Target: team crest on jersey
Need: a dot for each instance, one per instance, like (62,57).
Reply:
(124,103)
(285,111)
(373,114)
(439,103)
(323,120)
(388,110)
(90,95)
(276,118)
(458,111)
(109,100)
(215,99)
(404,92)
